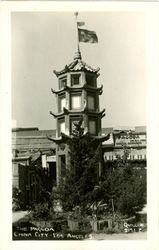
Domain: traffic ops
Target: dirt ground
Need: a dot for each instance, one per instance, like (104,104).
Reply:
(120,236)
(18,215)
(94,236)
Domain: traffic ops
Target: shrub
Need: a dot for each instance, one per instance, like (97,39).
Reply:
(78,184)
(41,211)
(17,199)
(111,230)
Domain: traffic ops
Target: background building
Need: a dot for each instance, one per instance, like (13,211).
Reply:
(32,148)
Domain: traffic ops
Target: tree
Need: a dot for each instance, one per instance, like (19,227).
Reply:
(125,185)
(77,186)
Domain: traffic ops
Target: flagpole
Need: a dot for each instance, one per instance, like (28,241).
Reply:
(77,53)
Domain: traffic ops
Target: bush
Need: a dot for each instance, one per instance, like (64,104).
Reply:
(41,211)
(124,188)
(17,199)
(111,231)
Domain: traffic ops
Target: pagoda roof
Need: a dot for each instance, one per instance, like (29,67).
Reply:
(75,66)
(85,86)
(63,138)
(84,110)
(101,138)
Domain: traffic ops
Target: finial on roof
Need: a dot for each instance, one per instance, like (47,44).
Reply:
(77,54)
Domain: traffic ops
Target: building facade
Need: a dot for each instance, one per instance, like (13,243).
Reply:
(133,138)
(32,148)
(33,163)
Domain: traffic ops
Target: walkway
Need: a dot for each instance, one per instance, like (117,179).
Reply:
(19,215)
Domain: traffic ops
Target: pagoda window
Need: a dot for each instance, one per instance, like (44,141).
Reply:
(62,103)
(73,121)
(75,101)
(75,79)
(61,126)
(92,126)
(91,102)
(90,80)
(62,82)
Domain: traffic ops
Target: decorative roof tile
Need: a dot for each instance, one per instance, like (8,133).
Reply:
(75,66)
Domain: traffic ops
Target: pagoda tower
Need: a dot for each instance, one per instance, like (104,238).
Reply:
(77,95)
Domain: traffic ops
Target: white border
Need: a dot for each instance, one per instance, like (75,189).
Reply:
(151,11)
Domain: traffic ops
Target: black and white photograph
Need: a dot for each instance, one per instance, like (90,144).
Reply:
(80,171)
(79,125)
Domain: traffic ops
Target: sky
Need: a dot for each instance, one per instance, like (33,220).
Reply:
(46,41)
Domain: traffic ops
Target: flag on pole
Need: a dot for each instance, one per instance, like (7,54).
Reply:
(87,36)
(80,23)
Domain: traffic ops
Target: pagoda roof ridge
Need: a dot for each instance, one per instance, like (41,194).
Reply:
(86,86)
(82,110)
(75,66)
(63,138)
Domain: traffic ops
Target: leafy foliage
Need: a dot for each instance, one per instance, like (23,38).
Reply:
(125,185)
(81,177)
(42,209)
(122,190)
(17,199)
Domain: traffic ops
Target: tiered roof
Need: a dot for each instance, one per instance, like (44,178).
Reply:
(75,66)
(84,110)
(64,138)
(85,86)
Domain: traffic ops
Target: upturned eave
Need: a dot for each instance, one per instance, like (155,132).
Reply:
(76,66)
(85,86)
